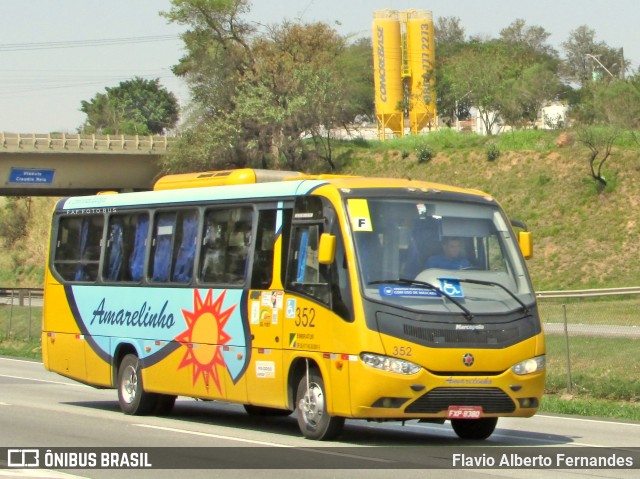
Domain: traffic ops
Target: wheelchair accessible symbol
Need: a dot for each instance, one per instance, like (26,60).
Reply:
(451,286)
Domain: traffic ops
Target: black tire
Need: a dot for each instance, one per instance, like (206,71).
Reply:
(474,429)
(265,411)
(311,409)
(132,397)
(164,404)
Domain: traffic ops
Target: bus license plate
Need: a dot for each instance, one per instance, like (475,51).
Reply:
(465,412)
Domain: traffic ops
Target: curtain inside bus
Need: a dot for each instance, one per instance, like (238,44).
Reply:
(136,260)
(114,263)
(165,228)
(183,270)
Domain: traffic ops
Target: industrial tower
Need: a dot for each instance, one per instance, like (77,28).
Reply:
(403,67)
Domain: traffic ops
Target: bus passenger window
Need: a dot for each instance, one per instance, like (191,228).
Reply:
(225,245)
(115,249)
(183,267)
(126,244)
(78,247)
(305,273)
(173,247)
(262,272)
(136,260)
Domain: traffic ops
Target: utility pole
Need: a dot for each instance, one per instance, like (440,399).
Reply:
(589,55)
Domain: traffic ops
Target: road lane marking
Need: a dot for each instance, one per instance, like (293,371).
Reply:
(37,473)
(21,360)
(216,436)
(260,443)
(548,442)
(43,381)
(600,421)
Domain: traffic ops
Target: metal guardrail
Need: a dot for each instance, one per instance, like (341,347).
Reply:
(20,296)
(578,293)
(86,143)
(585,293)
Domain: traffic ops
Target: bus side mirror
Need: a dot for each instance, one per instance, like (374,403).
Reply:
(526,244)
(327,249)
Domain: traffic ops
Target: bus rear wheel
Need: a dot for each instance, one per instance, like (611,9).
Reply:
(475,429)
(311,408)
(132,397)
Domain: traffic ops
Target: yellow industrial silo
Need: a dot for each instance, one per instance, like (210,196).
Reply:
(387,66)
(421,62)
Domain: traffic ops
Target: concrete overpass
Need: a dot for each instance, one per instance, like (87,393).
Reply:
(60,164)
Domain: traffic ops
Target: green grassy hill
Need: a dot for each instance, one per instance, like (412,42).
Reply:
(582,238)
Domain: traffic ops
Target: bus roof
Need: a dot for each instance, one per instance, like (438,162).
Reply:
(246,189)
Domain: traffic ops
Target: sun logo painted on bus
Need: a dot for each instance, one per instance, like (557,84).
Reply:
(205,337)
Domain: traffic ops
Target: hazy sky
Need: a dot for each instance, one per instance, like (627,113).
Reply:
(41,87)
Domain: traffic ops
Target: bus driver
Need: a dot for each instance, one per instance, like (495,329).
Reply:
(452,256)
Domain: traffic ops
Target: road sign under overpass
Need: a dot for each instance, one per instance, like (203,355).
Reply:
(63,165)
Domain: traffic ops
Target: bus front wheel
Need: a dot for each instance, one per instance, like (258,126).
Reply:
(131,394)
(475,429)
(311,408)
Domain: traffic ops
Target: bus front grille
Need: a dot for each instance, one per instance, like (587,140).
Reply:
(495,337)
(492,400)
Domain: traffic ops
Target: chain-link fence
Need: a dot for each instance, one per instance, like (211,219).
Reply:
(593,340)
(20,313)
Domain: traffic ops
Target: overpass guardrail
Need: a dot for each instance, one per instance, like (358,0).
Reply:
(16,142)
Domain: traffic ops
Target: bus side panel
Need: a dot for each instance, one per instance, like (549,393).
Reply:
(186,339)
(98,369)
(63,346)
(265,379)
(65,354)
(235,389)
(181,374)
(265,375)
(312,330)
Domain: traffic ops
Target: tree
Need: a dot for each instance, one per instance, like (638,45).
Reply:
(599,141)
(478,73)
(448,32)
(509,79)
(450,39)
(266,91)
(524,96)
(587,59)
(532,38)
(135,106)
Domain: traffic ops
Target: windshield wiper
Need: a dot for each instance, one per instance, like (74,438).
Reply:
(524,308)
(423,284)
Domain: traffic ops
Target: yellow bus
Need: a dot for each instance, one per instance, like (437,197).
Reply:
(331,297)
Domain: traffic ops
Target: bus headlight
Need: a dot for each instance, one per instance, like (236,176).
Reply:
(389,364)
(529,366)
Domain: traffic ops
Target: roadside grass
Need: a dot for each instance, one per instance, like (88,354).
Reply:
(596,408)
(604,374)
(617,311)
(20,322)
(601,368)
(18,348)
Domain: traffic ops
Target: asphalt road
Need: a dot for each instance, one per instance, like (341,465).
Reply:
(39,409)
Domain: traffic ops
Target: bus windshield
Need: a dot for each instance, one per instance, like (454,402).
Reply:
(439,256)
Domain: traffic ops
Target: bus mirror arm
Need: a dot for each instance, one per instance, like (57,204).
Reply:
(327,249)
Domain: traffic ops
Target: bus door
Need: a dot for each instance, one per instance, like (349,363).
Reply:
(265,310)
(318,311)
